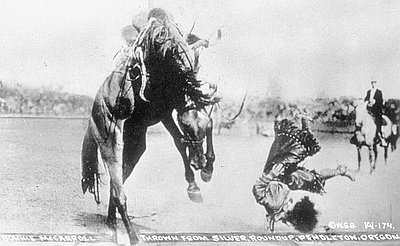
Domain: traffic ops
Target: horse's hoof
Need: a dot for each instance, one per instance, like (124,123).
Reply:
(133,239)
(205,176)
(195,195)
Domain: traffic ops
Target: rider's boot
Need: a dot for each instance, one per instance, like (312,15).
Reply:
(340,170)
(343,171)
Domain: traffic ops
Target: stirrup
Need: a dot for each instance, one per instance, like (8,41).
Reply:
(139,55)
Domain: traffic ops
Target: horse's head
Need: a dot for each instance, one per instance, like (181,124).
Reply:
(195,123)
(361,112)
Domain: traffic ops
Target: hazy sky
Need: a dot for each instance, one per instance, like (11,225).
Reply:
(286,48)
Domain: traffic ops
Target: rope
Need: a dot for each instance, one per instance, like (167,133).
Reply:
(240,109)
(97,189)
(119,95)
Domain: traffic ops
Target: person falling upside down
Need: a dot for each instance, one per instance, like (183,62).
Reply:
(283,174)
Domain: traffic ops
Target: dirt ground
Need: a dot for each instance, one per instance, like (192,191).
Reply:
(41,193)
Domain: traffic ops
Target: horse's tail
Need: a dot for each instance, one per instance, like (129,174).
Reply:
(90,172)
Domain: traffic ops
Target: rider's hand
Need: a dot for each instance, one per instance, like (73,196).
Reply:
(277,170)
(372,102)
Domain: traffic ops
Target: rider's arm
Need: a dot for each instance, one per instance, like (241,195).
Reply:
(304,179)
(366,97)
(380,99)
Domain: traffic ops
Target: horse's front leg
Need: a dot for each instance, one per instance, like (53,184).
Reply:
(111,153)
(112,217)
(385,153)
(207,171)
(193,189)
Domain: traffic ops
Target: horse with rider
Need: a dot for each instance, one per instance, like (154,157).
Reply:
(374,101)
(155,75)
(372,126)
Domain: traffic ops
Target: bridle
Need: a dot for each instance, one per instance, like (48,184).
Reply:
(186,139)
(189,142)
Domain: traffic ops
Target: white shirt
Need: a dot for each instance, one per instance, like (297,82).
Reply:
(372,94)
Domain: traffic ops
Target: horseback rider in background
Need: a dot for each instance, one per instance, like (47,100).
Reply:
(374,100)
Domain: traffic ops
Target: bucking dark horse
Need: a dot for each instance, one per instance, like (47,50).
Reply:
(158,77)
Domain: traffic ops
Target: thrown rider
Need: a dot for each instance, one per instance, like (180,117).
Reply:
(374,100)
(283,174)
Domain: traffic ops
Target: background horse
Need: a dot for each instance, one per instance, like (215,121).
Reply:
(365,134)
(170,84)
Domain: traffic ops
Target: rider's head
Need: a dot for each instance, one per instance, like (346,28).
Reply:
(282,205)
(301,215)
(373,83)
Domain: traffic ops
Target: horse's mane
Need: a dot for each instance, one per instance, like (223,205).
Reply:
(163,42)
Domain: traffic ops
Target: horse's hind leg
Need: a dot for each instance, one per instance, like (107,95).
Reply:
(112,217)
(359,157)
(112,154)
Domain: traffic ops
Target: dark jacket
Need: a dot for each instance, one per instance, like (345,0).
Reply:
(376,109)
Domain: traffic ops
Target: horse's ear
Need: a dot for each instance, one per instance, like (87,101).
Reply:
(129,34)
(191,38)
(359,102)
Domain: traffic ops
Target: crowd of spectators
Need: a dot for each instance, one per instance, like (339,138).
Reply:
(332,112)
(20,100)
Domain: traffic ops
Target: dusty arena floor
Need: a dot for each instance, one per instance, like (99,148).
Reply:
(41,192)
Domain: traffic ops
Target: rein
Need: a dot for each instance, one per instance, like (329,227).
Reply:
(240,110)
(121,94)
